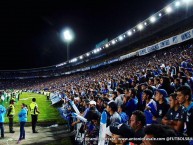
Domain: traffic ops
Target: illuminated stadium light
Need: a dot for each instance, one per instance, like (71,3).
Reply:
(140,26)
(177,3)
(81,57)
(160,14)
(152,19)
(88,54)
(100,49)
(106,45)
(73,60)
(68,36)
(168,10)
(129,33)
(120,38)
(95,51)
(124,35)
(145,23)
(116,40)
(113,42)
(133,30)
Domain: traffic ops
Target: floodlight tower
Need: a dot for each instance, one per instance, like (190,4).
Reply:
(68,37)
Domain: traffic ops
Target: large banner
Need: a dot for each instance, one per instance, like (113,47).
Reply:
(167,42)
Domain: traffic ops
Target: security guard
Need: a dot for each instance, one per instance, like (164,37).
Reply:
(34,114)
(10,115)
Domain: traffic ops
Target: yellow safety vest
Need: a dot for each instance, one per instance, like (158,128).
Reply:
(32,108)
(12,109)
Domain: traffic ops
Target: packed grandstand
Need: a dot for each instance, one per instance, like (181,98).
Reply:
(138,80)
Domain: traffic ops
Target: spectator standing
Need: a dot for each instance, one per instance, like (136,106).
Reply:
(22,119)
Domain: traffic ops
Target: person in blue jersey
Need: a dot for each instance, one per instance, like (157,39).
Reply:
(150,106)
(175,117)
(131,101)
(184,98)
(2,119)
(123,115)
(22,119)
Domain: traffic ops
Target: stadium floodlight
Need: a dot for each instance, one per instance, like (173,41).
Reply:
(160,14)
(168,9)
(140,26)
(120,38)
(88,54)
(152,19)
(95,51)
(113,42)
(68,36)
(177,3)
(133,30)
(129,33)
(81,57)
(106,45)
(145,23)
(73,60)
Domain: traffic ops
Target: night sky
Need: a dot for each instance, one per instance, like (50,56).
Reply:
(30,30)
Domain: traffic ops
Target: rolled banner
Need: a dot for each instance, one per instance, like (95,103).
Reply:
(79,117)
(74,107)
(102,131)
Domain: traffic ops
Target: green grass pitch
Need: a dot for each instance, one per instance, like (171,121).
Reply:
(48,113)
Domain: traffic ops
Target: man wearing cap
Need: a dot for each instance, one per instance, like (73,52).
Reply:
(162,105)
(90,110)
(10,115)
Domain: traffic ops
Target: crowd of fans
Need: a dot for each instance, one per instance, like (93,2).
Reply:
(146,96)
